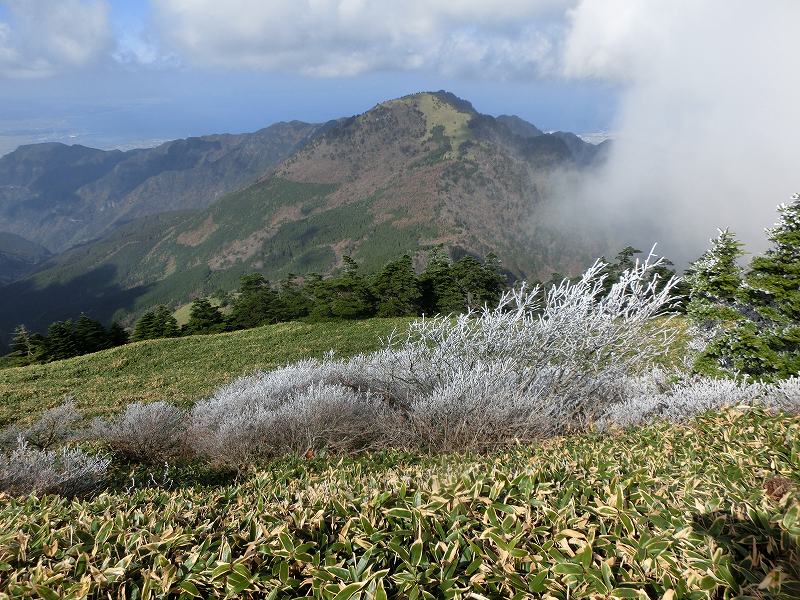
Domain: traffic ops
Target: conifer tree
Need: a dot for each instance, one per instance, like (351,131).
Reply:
(481,284)
(256,304)
(145,327)
(21,344)
(61,342)
(117,335)
(715,280)
(90,335)
(351,297)
(293,301)
(164,323)
(396,289)
(204,318)
(773,282)
(440,290)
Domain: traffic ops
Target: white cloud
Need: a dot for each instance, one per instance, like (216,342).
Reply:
(42,37)
(707,130)
(347,37)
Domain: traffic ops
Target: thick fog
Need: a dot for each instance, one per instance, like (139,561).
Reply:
(708,130)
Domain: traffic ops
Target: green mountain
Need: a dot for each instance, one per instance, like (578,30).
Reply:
(18,256)
(421,170)
(60,196)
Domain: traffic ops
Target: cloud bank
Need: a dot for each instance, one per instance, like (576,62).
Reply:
(708,132)
(44,37)
(509,39)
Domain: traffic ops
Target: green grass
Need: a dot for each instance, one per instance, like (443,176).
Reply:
(179,370)
(661,512)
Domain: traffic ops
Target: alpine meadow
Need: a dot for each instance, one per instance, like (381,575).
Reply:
(276,324)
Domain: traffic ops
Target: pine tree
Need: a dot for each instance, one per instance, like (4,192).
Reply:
(117,335)
(351,297)
(21,342)
(293,301)
(164,323)
(145,327)
(204,318)
(763,341)
(715,280)
(256,304)
(481,284)
(396,289)
(773,282)
(61,342)
(90,335)
(440,290)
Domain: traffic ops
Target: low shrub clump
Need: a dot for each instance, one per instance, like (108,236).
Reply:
(66,471)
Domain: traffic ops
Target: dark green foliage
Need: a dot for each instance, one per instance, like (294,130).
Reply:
(350,295)
(755,322)
(441,292)
(61,341)
(481,284)
(204,318)
(159,323)
(715,280)
(396,289)
(117,334)
(293,300)
(90,335)
(256,304)
(145,327)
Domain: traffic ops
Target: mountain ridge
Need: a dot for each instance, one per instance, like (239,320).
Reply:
(406,175)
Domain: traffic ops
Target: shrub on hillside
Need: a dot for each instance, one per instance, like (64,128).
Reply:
(54,427)
(67,471)
(147,433)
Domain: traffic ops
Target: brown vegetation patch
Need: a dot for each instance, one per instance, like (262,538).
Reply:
(197,236)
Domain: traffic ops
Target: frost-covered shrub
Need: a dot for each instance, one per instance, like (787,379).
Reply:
(528,367)
(303,407)
(54,427)
(551,363)
(66,471)
(148,433)
(689,398)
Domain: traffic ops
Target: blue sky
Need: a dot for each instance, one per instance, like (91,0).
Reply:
(125,73)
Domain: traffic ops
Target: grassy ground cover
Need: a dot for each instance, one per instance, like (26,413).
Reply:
(179,370)
(706,510)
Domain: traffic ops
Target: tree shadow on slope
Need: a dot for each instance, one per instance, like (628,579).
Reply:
(95,293)
(764,557)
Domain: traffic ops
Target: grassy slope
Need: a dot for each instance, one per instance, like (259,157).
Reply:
(179,370)
(632,515)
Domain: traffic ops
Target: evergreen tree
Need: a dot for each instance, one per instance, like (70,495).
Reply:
(90,335)
(256,304)
(61,342)
(145,327)
(715,280)
(21,344)
(204,318)
(164,323)
(117,335)
(481,284)
(773,282)
(396,289)
(441,292)
(351,297)
(763,340)
(293,301)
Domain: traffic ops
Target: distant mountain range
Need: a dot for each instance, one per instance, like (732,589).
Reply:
(59,196)
(157,225)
